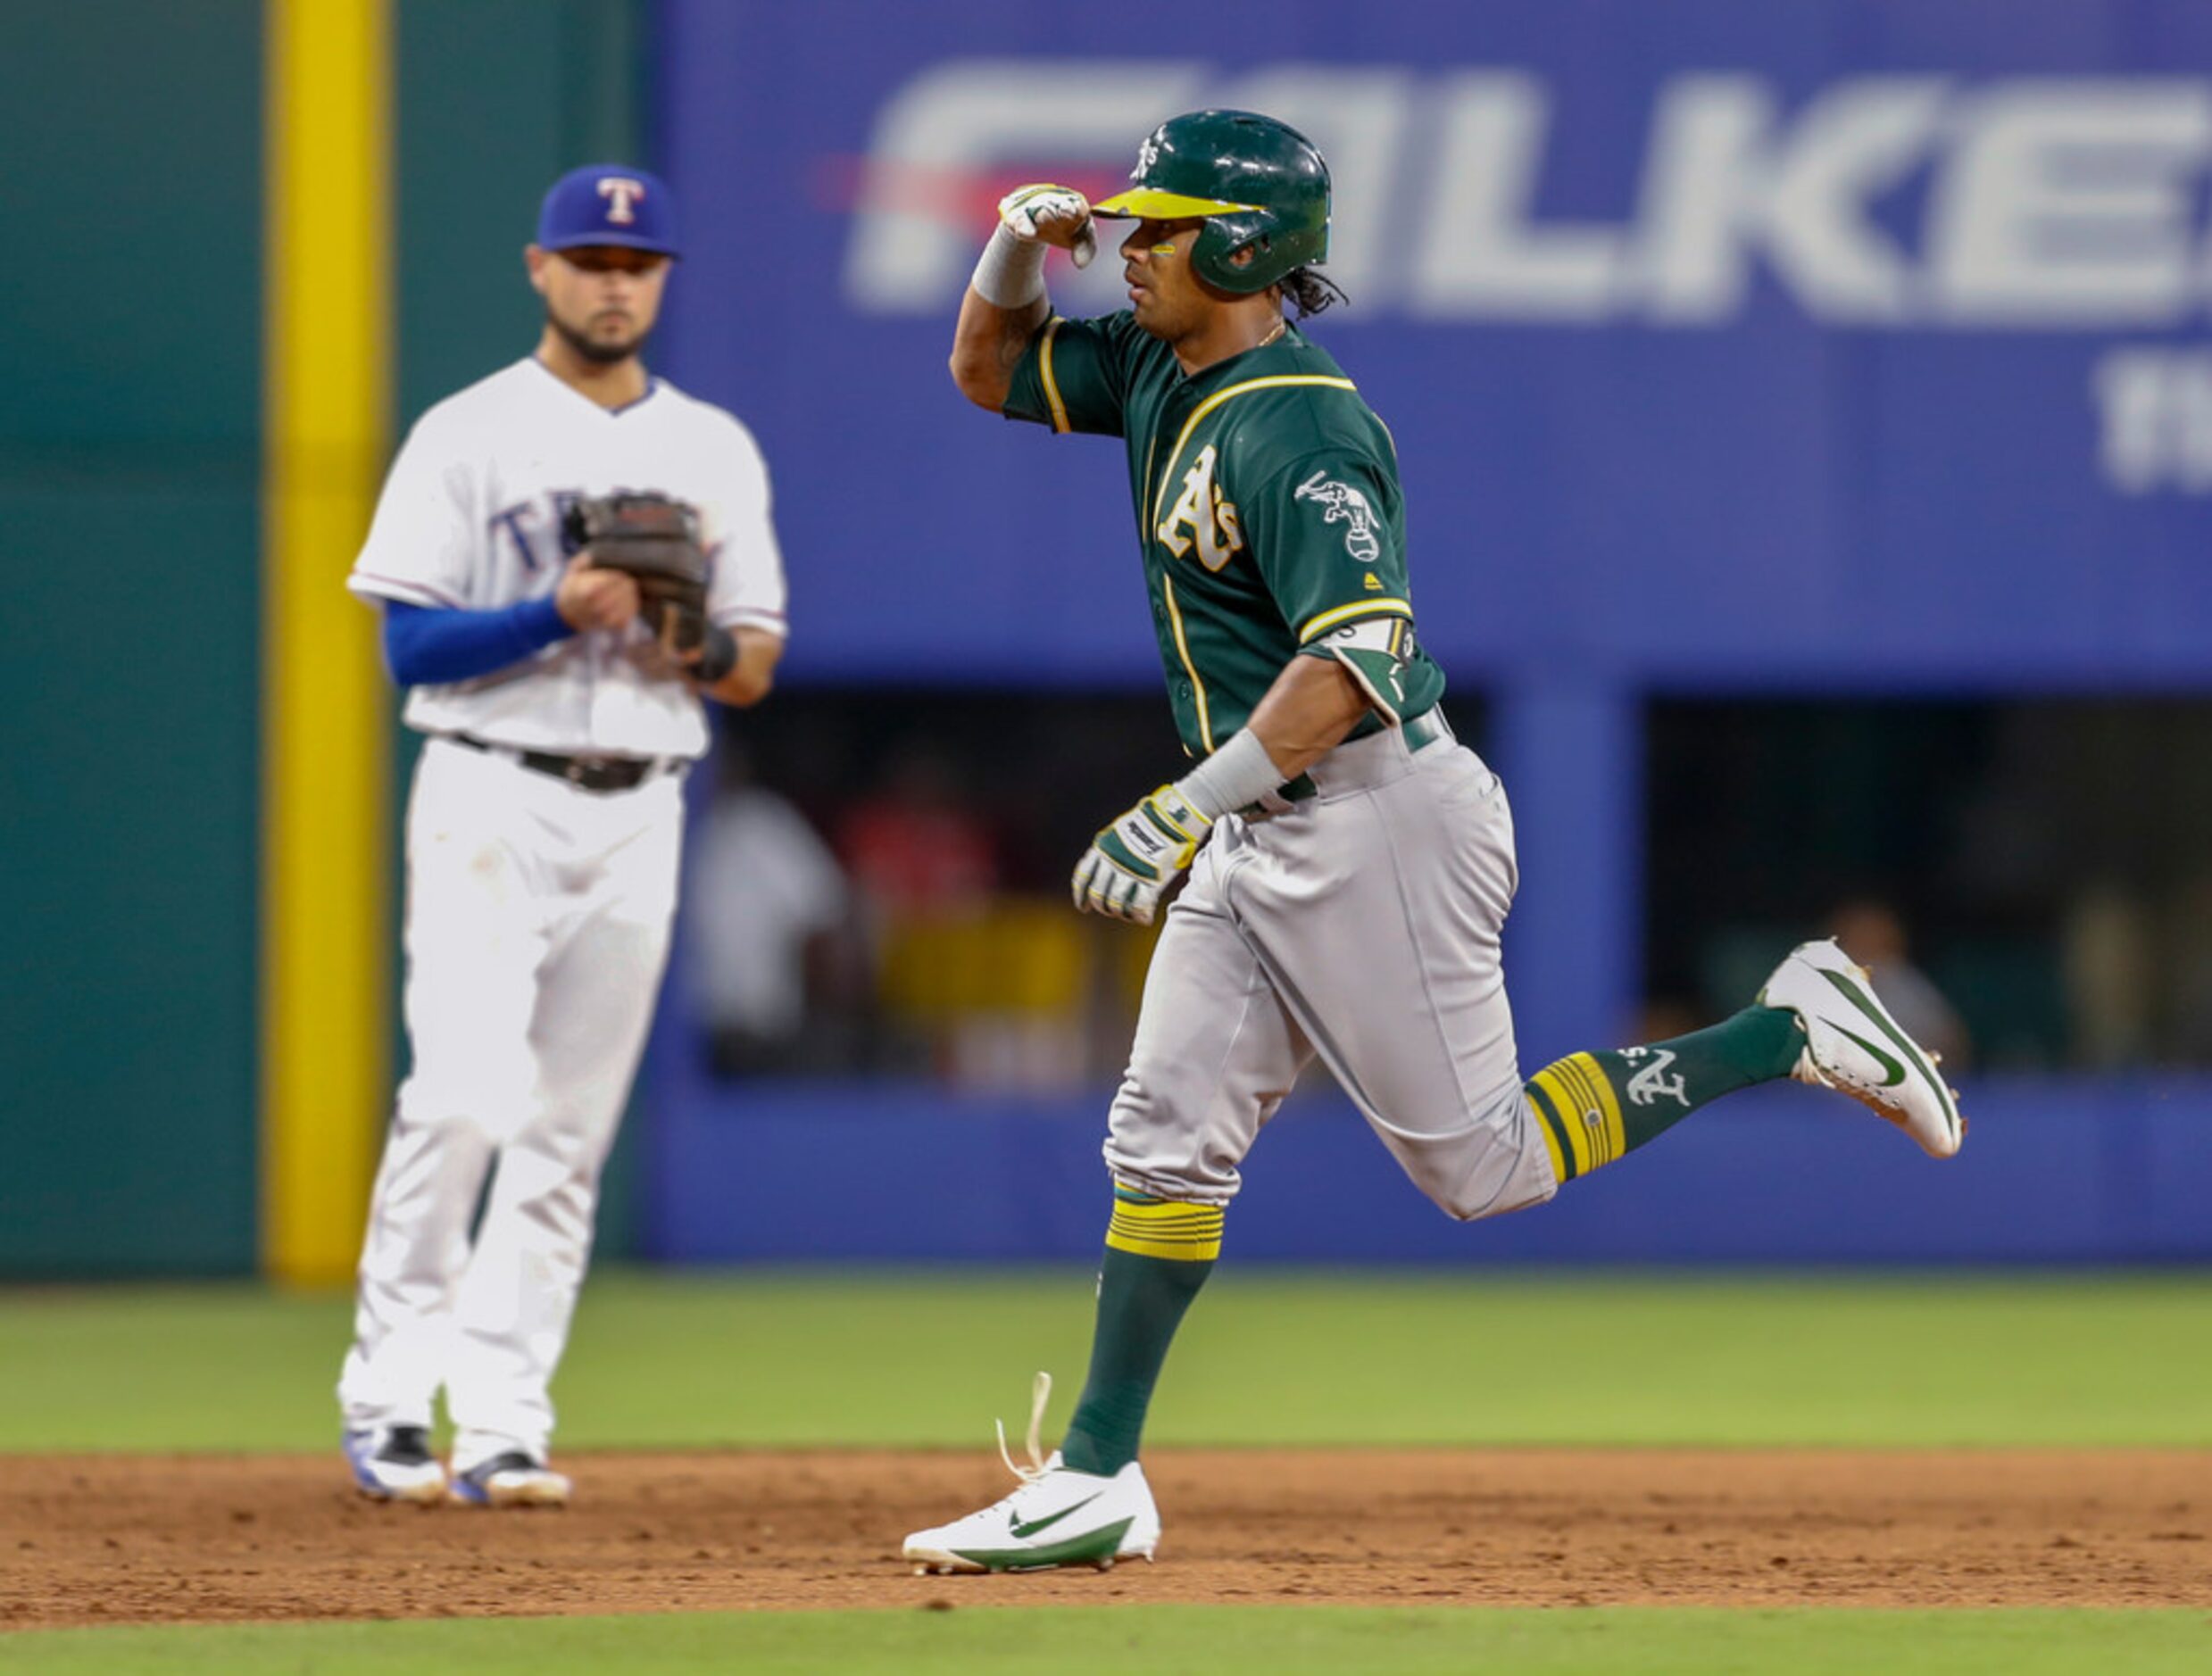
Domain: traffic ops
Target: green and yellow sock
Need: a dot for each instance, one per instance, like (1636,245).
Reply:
(1159,1253)
(1595,1107)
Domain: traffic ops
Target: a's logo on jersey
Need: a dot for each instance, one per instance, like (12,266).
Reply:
(1341,503)
(621,194)
(1212,522)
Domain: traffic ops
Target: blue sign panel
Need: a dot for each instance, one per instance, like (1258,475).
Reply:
(1843,343)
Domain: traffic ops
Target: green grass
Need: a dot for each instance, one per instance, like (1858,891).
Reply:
(1268,1357)
(1285,1641)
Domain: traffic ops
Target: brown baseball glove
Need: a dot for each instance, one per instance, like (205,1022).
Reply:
(653,538)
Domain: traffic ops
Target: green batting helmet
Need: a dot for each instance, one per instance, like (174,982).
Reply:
(1260,185)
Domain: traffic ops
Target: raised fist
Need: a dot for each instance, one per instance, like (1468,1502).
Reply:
(1052,215)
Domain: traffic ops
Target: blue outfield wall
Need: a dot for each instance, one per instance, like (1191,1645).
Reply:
(2053,1172)
(1842,346)
(1735,346)
(1776,344)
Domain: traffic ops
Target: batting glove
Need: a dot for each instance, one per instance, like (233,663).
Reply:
(1025,211)
(1130,864)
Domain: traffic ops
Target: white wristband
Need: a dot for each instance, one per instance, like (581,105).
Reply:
(1241,772)
(1009,274)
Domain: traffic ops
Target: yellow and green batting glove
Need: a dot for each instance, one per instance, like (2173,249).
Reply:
(1131,863)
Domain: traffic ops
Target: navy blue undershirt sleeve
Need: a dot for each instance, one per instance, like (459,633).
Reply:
(429,644)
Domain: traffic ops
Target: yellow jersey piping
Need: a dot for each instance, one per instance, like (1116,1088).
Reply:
(1052,384)
(1214,401)
(1328,620)
(1183,650)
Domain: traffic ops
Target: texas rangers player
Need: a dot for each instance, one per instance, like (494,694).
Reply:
(541,835)
(1351,865)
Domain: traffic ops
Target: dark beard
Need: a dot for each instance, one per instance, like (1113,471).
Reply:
(598,354)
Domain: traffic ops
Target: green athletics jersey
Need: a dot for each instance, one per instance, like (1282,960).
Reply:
(1268,507)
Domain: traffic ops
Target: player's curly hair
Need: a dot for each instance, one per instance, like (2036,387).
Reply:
(1309,292)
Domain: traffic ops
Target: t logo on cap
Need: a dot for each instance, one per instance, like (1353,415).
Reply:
(608,204)
(620,193)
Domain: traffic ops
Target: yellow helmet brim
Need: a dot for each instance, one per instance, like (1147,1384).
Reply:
(1145,204)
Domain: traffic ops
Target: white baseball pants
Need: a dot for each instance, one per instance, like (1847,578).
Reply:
(538,918)
(1362,926)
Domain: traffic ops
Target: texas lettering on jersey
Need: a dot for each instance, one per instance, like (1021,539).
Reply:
(538,533)
(538,527)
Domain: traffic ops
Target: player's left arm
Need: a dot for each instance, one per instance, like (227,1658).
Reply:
(754,655)
(1324,532)
(1327,534)
(1134,861)
(745,591)
(1305,715)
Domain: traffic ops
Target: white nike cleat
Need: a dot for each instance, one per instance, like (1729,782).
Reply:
(1852,1045)
(1057,1516)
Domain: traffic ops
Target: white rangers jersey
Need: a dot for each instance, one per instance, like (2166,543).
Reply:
(472,516)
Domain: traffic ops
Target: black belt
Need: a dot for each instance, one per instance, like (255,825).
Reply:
(587,773)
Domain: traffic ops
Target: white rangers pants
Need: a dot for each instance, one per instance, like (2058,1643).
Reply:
(537,925)
(1362,925)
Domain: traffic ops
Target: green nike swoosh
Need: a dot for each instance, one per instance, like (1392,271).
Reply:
(1857,996)
(1023,1532)
(1896,1071)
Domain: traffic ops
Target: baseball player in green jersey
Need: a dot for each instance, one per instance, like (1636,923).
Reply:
(1350,864)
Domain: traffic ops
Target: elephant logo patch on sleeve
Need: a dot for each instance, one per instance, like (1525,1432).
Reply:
(1341,503)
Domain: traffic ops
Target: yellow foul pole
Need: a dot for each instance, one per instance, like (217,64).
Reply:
(324,868)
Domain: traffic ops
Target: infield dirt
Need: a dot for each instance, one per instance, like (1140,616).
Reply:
(115,1538)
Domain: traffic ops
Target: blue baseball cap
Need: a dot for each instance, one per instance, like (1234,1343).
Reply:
(607,204)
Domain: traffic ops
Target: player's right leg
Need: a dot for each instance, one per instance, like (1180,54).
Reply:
(1215,1055)
(1416,851)
(1376,909)
(473,944)
(1817,1019)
